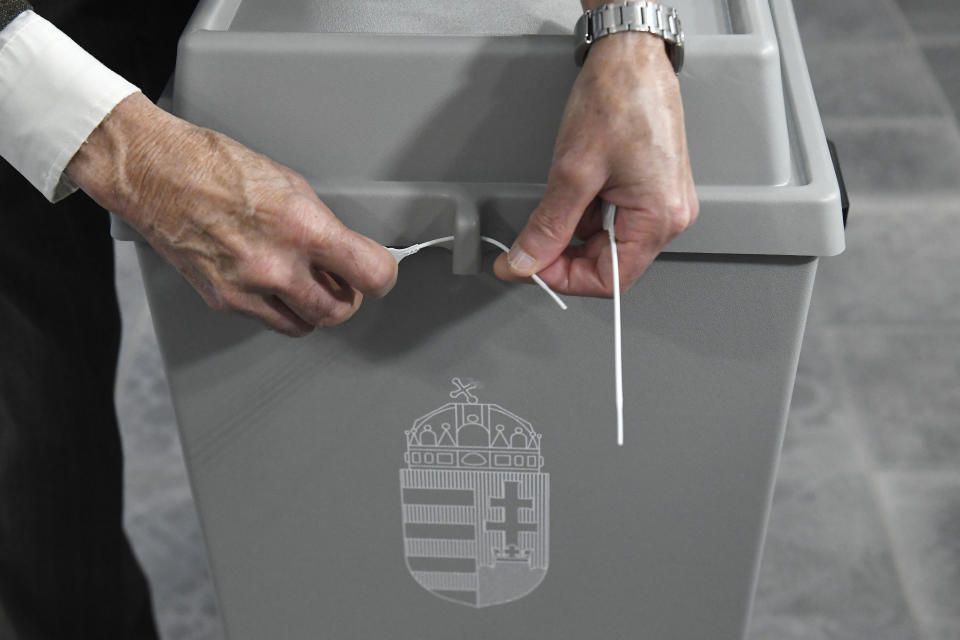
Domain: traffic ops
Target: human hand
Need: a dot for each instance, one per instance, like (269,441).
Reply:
(621,139)
(249,234)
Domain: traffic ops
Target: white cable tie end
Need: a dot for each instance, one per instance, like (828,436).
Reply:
(620,422)
(550,292)
(400,254)
(540,283)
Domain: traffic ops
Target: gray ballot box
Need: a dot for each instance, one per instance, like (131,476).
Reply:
(444,465)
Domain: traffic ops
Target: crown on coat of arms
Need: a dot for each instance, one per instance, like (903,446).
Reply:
(468,434)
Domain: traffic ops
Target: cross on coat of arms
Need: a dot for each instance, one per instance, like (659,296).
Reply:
(475,502)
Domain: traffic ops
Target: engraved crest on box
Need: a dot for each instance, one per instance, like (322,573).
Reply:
(475,502)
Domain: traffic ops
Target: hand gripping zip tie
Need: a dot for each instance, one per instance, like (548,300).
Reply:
(609,212)
(400,254)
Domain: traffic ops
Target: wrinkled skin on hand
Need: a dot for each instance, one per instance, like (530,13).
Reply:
(249,234)
(621,139)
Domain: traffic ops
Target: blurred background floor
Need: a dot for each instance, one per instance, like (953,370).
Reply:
(864,538)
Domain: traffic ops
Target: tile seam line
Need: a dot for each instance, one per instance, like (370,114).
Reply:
(946,201)
(866,43)
(947,327)
(949,475)
(945,40)
(853,123)
(856,429)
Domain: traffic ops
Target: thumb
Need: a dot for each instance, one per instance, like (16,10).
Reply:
(551,226)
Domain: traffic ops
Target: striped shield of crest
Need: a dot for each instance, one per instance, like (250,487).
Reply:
(475,502)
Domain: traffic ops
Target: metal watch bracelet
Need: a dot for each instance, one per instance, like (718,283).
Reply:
(616,17)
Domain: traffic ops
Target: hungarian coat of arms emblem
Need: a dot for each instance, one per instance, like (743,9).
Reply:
(475,502)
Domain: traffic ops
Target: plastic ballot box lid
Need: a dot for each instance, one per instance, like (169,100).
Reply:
(734,96)
(498,99)
(407,92)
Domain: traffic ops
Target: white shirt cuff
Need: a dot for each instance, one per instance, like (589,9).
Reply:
(53,94)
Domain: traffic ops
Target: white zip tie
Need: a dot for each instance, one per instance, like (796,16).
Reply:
(534,277)
(609,216)
(400,254)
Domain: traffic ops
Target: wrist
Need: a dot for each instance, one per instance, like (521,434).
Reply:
(112,164)
(642,49)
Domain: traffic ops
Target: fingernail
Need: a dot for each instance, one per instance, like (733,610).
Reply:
(520,261)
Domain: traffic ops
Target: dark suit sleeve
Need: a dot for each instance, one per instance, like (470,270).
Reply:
(10,9)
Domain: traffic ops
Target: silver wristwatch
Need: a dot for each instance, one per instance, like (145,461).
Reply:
(615,17)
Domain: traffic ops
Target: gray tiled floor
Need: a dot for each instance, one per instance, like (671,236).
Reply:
(851,20)
(818,440)
(909,157)
(871,80)
(897,269)
(903,385)
(924,516)
(828,569)
(932,16)
(864,538)
(944,60)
